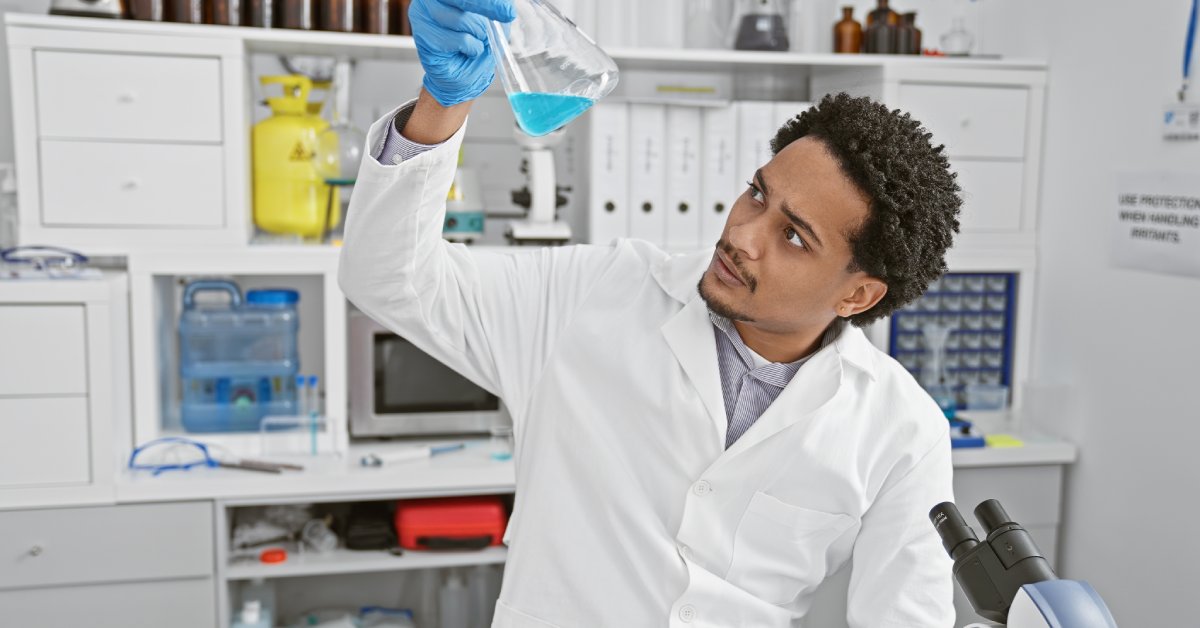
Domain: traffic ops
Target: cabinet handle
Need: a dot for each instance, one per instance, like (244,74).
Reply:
(130,185)
(964,122)
(126,98)
(36,550)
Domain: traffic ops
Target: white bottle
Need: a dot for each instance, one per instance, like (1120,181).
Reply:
(261,593)
(483,584)
(252,616)
(454,603)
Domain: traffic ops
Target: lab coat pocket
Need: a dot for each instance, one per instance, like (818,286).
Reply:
(781,550)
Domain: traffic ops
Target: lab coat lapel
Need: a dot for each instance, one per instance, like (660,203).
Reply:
(812,389)
(690,335)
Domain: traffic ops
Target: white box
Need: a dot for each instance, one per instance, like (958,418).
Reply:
(608,172)
(683,177)
(647,174)
(755,129)
(720,185)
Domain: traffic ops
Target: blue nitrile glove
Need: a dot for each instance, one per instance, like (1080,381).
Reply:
(452,42)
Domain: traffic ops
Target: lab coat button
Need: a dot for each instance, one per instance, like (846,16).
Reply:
(686,552)
(687,613)
(702,488)
(397,158)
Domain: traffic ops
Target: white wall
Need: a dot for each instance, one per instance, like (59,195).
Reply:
(1124,342)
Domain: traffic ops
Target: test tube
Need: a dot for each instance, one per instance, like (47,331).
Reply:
(301,397)
(314,399)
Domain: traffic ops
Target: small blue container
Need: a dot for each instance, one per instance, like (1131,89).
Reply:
(237,361)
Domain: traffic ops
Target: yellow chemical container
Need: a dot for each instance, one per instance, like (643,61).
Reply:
(290,195)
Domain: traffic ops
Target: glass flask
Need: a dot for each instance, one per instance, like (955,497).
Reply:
(958,41)
(339,150)
(551,71)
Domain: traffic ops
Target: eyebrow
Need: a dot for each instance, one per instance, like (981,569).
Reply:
(784,207)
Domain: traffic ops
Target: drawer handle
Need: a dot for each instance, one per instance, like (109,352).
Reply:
(36,550)
(130,185)
(964,122)
(126,98)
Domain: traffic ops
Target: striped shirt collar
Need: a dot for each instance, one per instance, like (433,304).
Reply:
(776,374)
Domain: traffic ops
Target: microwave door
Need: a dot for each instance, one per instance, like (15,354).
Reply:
(415,394)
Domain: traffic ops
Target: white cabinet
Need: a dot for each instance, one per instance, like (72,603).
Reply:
(140,565)
(131,185)
(128,97)
(990,122)
(127,141)
(64,389)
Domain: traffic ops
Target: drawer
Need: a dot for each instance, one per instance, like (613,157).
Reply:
(1031,495)
(98,184)
(45,350)
(107,544)
(44,441)
(128,97)
(993,192)
(176,603)
(973,121)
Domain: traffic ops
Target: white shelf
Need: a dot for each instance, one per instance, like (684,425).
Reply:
(395,47)
(344,561)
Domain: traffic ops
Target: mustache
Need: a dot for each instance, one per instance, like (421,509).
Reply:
(727,248)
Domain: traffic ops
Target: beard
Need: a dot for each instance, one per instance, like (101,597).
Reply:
(720,309)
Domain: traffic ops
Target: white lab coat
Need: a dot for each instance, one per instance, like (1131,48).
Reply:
(629,510)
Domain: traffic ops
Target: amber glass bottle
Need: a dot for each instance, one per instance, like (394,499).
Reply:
(848,33)
(298,14)
(883,11)
(908,36)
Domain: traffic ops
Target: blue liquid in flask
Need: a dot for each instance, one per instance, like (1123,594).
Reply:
(539,113)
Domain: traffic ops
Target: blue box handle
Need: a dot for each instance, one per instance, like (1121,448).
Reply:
(211,285)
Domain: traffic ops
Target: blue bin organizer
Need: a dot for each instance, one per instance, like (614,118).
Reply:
(980,307)
(237,361)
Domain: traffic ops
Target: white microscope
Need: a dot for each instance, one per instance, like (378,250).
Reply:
(1007,579)
(541,194)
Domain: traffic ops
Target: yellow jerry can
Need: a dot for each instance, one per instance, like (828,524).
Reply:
(290,195)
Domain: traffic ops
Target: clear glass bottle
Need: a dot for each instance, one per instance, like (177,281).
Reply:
(958,41)
(763,27)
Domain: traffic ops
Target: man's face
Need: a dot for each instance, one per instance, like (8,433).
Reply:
(782,262)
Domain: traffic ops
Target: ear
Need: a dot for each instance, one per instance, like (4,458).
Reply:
(867,292)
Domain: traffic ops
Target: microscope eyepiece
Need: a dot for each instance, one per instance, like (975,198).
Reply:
(991,516)
(957,537)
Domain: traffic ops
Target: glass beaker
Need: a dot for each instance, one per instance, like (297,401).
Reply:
(551,71)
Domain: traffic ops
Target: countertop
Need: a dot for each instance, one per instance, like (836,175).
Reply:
(469,471)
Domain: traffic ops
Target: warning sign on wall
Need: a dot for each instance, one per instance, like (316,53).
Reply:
(1156,225)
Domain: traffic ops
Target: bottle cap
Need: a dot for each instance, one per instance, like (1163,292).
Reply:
(272,297)
(273,555)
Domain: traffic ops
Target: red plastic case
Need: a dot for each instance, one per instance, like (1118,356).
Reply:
(453,523)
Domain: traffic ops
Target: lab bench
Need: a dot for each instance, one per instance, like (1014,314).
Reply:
(166,538)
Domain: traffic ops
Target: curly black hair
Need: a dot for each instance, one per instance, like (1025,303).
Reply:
(913,196)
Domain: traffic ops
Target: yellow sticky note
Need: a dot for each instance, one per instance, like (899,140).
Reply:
(1002,440)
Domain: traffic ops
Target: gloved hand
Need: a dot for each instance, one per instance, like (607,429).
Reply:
(452,42)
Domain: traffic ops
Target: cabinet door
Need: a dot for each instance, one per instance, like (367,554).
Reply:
(992,194)
(44,442)
(45,350)
(114,184)
(91,95)
(971,120)
(154,604)
(88,545)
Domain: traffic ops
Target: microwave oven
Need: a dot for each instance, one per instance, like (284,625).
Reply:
(397,389)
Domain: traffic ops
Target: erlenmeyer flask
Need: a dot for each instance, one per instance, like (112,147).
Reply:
(551,71)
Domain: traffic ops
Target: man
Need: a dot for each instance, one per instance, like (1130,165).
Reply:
(700,439)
